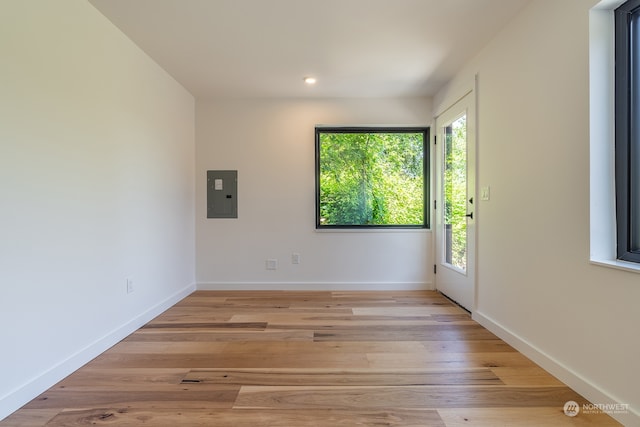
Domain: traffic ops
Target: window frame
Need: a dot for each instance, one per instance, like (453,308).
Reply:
(627,130)
(425,130)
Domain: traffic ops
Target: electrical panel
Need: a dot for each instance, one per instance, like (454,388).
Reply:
(222,194)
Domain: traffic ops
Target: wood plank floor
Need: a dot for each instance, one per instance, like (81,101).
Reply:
(295,359)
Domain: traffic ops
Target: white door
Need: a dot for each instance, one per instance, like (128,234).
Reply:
(455,202)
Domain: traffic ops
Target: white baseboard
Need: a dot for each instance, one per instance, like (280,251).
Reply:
(557,369)
(14,400)
(315,286)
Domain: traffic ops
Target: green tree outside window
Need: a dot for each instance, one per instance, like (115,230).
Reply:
(371,177)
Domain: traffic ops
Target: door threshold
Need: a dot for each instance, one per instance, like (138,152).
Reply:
(455,302)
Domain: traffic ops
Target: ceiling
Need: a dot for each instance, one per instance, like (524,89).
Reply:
(355,48)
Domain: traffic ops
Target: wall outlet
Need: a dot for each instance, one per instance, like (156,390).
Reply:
(129,285)
(271,264)
(295,258)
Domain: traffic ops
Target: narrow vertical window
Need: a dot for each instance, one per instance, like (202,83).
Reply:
(627,133)
(455,193)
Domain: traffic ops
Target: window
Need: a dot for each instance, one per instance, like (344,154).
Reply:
(372,177)
(627,130)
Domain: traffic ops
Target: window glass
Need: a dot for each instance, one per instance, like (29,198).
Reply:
(371,177)
(627,124)
(455,193)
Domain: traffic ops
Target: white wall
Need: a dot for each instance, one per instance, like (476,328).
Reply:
(271,144)
(536,287)
(96,184)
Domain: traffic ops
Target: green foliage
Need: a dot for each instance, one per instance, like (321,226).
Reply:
(371,178)
(455,190)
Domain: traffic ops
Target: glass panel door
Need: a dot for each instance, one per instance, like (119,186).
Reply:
(454,210)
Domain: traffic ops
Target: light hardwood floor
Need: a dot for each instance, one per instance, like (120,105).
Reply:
(294,359)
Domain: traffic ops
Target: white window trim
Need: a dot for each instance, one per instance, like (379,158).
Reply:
(602,138)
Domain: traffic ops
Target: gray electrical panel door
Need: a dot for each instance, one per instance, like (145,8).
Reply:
(222,194)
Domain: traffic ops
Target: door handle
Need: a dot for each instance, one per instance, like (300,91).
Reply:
(469,215)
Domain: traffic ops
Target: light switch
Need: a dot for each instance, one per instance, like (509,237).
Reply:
(485,193)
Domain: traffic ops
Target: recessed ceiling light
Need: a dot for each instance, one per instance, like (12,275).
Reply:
(310,80)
